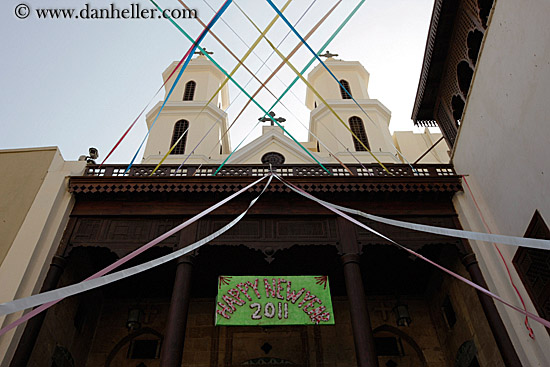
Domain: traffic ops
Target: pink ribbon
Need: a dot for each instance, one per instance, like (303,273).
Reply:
(130,256)
(539,319)
(526,322)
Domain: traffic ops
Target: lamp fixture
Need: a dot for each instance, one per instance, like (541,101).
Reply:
(402,315)
(133,319)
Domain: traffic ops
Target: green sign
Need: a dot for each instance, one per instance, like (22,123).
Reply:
(274,300)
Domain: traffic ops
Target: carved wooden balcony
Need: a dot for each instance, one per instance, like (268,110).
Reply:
(309,170)
(425,178)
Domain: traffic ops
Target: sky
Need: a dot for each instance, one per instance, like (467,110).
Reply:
(77,83)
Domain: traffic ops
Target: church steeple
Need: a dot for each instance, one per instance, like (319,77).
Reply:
(372,128)
(350,73)
(198,83)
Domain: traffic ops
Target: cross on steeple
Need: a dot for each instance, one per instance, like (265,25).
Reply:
(328,55)
(272,114)
(199,52)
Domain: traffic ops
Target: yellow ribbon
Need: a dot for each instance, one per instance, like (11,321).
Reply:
(262,35)
(276,70)
(285,60)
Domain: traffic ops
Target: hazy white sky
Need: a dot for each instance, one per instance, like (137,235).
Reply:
(80,83)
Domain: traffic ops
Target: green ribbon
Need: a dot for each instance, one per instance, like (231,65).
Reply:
(303,71)
(242,90)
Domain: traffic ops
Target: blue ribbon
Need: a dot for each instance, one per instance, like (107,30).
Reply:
(313,52)
(324,65)
(184,66)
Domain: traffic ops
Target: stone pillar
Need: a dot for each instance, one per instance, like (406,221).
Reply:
(174,338)
(505,346)
(360,319)
(30,335)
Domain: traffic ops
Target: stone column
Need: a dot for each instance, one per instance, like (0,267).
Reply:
(505,346)
(360,319)
(30,335)
(174,338)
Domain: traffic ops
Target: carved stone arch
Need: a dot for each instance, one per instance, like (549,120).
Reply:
(404,336)
(127,339)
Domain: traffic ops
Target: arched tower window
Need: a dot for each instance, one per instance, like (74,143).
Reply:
(180,128)
(189,91)
(358,128)
(345,84)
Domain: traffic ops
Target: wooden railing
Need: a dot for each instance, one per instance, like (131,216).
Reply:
(367,170)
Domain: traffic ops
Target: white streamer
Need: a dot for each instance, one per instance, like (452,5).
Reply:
(477,236)
(537,318)
(60,293)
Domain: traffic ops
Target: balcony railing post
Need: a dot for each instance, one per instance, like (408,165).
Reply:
(109,170)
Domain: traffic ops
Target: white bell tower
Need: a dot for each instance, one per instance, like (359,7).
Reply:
(373,130)
(198,83)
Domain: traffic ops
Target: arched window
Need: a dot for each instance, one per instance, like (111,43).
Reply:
(180,128)
(189,91)
(345,84)
(356,125)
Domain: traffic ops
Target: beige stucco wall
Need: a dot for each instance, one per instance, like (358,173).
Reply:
(503,147)
(330,130)
(412,146)
(160,138)
(26,170)
(26,263)
(338,138)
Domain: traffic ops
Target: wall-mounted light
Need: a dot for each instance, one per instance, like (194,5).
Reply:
(133,319)
(402,315)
